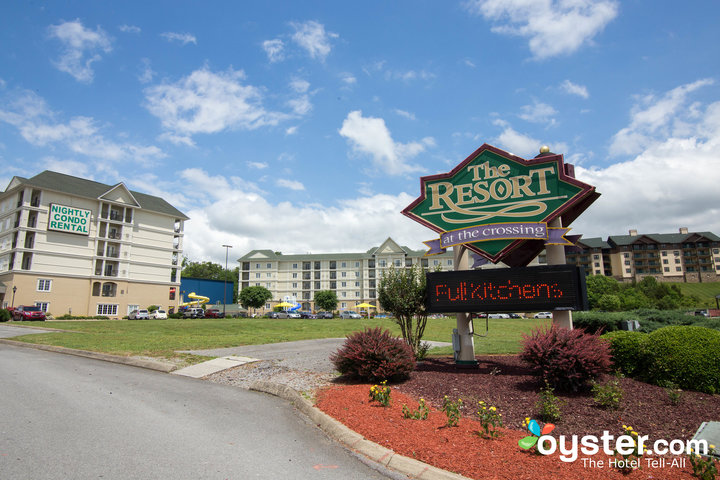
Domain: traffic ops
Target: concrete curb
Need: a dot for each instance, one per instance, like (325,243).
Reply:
(157,365)
(353,440)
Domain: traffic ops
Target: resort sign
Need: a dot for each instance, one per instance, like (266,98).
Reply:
(493,202)
(66,219)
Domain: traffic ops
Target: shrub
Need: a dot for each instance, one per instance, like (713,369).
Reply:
(687,356)
(5,315)
(566,359)
(627,351)
(608,395)
(374,355)
(549,405)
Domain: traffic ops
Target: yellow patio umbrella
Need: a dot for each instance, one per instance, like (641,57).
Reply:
(366,306)
(285,305)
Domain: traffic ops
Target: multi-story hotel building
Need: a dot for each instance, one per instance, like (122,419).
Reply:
(671,257)
(352,276)
(75,246)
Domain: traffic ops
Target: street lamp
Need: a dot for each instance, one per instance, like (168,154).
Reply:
(227,248)
(13,300)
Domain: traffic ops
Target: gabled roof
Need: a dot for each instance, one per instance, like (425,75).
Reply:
(662,238)
(81,187)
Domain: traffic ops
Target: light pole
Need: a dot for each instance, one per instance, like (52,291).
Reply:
(13,300)
(227,249)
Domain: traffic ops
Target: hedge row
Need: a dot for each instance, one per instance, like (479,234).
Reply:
(686,356)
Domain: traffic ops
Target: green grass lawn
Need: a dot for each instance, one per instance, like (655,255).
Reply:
(705,291)
(163,338)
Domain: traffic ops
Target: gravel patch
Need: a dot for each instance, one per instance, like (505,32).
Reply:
(271,371)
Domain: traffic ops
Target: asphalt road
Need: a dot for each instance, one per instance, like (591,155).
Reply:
(72,417)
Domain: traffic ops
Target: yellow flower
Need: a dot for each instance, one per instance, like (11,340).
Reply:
(634,433)
(492,409)
(712,447)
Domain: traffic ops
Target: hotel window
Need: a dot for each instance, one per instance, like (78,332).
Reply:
(44,285)
(269,265)
(357,294)
(382,263)
(449,263)
(343,294)
(257,275)
(106,309)
(357,264)
(667,269)
(294,285)
(343,284)
(295,275)
(343,274)
(257,266)
(44,306)
(678,269)
(295,265)
(343,265)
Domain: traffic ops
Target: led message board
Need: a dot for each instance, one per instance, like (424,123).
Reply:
(521,289)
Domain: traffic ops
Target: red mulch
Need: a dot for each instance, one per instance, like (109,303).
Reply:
(503,381)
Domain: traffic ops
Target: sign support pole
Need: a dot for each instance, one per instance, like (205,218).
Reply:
(466,356)
(556,256)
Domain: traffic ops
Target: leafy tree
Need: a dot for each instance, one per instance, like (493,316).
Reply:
(599,285)
(254,297)
(211,271)
(326,300)
(402,293)
(609,302)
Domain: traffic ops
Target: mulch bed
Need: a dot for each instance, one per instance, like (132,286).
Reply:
(504,382)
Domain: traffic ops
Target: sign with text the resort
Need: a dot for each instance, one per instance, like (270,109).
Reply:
(494,201)
(62,218)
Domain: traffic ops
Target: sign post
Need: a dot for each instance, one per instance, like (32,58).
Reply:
(502,208)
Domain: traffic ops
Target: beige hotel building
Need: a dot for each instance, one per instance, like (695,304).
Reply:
(75,246)
(353,276)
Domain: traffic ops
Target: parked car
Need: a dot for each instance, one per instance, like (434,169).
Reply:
(25,312)
(282,314)
(324,315)
(159,314)
(499,315)
(293,315)
(214,313)
(307,315)
(349,314)
(141,314)
(543,315)
(194,312)
(515,315)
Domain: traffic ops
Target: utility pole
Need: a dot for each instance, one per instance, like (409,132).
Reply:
(227,248)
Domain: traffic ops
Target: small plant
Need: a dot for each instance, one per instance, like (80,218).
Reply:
(490,420)
(420,414)
(674,392)
(566,359)
(452,410)
(630,461)
(380,393)
(374,355)
(609,395)
(422,351)
(704,467)
(549,405)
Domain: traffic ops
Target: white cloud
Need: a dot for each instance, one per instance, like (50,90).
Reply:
(147,74)
(671,183)
(403,113)
(350,225)
(369,135)
(291,184)
(257,165)
(580,90)
(274,49)
(81,48)
(291,130)
(553,27)
(182,38)
(209,102)
(301,105)
(653,119)
(538,112)
(312,37)
(129,29)
(300,85)
(348,79)
(37,124)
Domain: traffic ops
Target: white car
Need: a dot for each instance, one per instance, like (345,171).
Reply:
(499,315)
(141,314)
(159,314)
(350,314)
(543,315)
(293,315)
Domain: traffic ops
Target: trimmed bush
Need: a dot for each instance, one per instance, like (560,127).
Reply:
(566,359)
(687,356)
(626,349)
(5,315)
(374,355)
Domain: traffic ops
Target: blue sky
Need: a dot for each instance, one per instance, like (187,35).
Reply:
(305,126)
